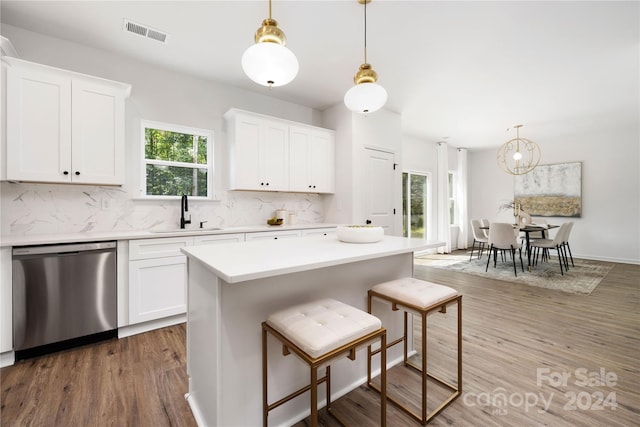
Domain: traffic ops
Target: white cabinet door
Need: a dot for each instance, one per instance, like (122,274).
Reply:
(322,168)
(157,278)
(275,156)
(311,160)
(38,126)
(63,127)
(272,235)
(157,288)
(97,134)
(299,154)
(245,134)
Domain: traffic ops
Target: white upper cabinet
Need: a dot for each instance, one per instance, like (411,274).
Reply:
(63,127)
(270,154)
(311,160)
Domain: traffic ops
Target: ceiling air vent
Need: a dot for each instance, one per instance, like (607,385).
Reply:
(145,31)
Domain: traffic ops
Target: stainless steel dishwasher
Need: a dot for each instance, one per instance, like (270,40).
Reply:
(63,296)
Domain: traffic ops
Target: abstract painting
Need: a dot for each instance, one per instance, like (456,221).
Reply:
(550,190)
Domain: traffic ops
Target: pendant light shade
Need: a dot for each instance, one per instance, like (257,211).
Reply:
(269,62)
(366,96)
(518,156)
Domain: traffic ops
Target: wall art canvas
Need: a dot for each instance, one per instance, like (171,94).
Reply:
(550,190)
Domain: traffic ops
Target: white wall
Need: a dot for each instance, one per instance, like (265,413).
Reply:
(160,95)
(609,228)
(354,132)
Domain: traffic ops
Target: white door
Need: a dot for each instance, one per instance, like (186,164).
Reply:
(378,189)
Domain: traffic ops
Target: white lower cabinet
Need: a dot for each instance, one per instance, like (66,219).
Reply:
(158,274)
(157,288)
(157,278)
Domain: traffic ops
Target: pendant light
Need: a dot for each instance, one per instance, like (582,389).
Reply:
(268,62)
(518,156)
(366,96)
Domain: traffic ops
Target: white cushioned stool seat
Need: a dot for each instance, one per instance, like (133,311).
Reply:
(324,325)
(415,291)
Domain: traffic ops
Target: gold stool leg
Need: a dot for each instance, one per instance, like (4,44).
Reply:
(424,368)
(265,409)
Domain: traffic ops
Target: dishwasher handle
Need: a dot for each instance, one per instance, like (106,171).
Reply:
(61,249)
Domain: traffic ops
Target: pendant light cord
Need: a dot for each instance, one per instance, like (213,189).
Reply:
(365,31)
(269,9)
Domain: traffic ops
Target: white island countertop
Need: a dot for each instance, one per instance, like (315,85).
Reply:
(239,262)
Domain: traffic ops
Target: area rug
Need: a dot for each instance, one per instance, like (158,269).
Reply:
(581,279)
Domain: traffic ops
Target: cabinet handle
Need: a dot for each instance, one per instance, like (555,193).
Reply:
(309,186)
(65,173)
(77,172)
(275,238)
(267,184)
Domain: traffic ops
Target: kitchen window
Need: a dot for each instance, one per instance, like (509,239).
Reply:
(177,160)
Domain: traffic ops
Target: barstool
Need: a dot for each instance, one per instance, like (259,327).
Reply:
(419,297)
(319,332)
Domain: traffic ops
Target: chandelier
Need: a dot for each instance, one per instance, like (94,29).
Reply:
(268,62)
(518,156)
(366,96)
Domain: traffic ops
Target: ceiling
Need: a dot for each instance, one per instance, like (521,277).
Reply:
(461,71)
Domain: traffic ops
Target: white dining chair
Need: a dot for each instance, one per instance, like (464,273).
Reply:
(555,243)
(503,237)
(478,237)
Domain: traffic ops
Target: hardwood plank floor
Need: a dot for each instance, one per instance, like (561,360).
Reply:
(509,333)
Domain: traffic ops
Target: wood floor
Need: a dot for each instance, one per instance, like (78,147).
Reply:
(518,343)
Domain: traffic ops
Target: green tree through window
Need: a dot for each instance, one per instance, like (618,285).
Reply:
(177,160)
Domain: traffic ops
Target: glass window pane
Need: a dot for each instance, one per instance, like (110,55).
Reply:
(176,181)
(174,146)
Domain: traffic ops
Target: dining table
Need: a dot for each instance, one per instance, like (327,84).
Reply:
(527,230)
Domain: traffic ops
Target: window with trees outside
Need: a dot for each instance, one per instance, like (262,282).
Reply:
(177,160)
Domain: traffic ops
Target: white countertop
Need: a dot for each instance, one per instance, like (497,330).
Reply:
(45,239)
(239,262)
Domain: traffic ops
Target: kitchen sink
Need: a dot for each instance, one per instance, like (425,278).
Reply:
(183,230)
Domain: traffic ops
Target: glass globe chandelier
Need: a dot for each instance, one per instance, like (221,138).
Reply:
(518,156)
(366,96)
(269,62)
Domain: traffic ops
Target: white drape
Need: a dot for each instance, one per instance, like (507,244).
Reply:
(461,193)
(443,228)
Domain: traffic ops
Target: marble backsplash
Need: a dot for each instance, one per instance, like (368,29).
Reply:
(30,209)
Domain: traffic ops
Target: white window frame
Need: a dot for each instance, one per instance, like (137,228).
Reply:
(144,124)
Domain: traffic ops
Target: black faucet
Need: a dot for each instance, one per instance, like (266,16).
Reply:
(184,207)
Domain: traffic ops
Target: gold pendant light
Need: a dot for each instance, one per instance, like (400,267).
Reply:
(268,62)
(366,96)
(518,156)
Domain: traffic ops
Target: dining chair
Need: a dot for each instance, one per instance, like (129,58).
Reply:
(566,243)
(503,237)
(485,223)
(478,236)
(556,243)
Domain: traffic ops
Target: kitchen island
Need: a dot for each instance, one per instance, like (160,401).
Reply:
(233,287)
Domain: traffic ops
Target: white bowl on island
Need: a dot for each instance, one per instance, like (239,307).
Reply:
(359,233)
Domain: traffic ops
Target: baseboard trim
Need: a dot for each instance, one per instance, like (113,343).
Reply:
(138,328)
